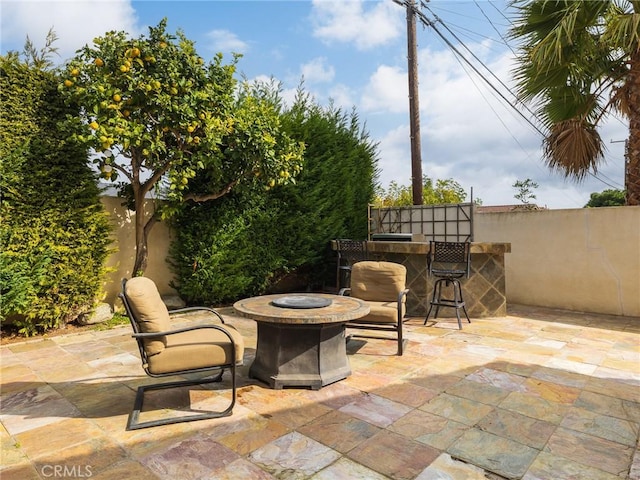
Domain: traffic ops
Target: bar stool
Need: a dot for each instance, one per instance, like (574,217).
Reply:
(448,262)
(349,252)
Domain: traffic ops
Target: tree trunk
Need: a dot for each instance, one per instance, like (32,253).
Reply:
(632,165)
(142,251)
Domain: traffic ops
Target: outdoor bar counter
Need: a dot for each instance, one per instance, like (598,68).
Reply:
(484,291)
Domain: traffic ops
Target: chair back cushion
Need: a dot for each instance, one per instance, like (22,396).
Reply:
(378,281)
(149,311)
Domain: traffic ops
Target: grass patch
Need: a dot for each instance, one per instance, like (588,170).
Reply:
(115,321)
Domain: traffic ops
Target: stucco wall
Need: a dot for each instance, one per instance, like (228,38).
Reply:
(585,260)
(123,258)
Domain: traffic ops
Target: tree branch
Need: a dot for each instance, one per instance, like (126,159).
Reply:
(148,185)
(194,197)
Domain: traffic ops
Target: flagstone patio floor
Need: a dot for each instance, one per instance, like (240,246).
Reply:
(539,394)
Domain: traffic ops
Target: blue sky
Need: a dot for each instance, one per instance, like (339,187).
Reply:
(354,53)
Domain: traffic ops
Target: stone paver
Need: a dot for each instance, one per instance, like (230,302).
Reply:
(537,395)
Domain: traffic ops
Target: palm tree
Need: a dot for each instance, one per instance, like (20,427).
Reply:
(579,62)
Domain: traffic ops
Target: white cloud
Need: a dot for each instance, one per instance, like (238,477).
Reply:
(226,41)
(347,21)
(395,159)
(342,97)
(469,135)
(76,23)
(317,71)
(387,90)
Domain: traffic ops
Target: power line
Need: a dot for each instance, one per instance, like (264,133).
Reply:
(431,23)
(439,20)
(504,40)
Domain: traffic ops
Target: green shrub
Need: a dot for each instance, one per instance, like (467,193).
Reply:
(53,228)
(606,198)
(246,243)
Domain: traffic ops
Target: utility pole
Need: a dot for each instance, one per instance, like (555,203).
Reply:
(414,103)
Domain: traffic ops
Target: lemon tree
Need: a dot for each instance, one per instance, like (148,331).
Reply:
(159,116)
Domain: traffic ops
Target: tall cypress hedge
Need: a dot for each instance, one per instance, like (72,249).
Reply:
(53,228)
(247,243)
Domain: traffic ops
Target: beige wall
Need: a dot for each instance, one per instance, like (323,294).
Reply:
(123,259)
(585,259)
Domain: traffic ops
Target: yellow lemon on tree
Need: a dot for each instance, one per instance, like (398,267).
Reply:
(94,125)
(135,52)
(163,45)
(116,98)
(75,72)
(124,68)
(190,128)
(68,83)
(98,62)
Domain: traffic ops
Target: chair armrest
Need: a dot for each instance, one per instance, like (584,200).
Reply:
(195,309)
(345,291)
(180,330)
(401,294)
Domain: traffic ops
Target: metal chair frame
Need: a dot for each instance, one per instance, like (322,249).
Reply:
(349,252)
(448,261)
(364,325)
(133,420)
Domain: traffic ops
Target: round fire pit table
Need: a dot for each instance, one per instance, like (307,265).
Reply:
(301,337)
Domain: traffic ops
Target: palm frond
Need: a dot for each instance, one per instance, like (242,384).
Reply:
(574,148)
(623,30)
(620,99)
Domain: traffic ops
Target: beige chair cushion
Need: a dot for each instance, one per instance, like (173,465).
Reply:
(200,348)
(381,312)
(149,311)
(378,281)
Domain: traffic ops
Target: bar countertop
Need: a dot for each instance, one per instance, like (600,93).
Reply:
(422,248)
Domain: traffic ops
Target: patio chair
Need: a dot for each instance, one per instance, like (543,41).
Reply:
(382,286)
(182,351)
(349,252)
(448,262)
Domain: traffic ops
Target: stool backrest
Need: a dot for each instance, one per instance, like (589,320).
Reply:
(449,258)
(352,251)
